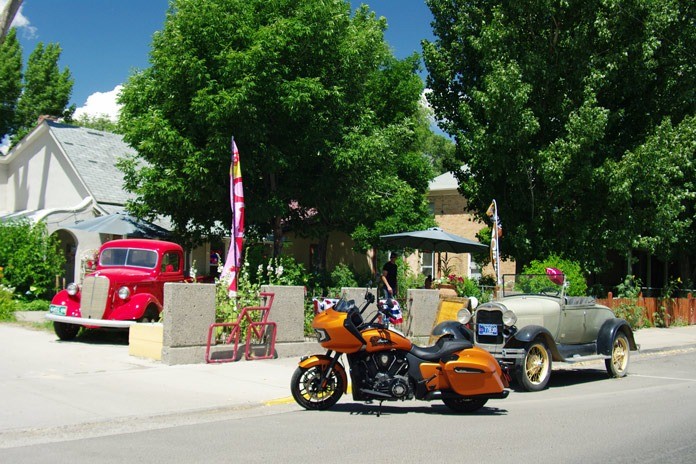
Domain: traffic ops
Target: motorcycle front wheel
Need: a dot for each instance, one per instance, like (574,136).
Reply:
(464,404)
(310,394)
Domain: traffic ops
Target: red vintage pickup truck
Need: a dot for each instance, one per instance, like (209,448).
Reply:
(127,287)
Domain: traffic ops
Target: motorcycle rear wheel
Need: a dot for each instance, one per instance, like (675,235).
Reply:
(307,391)
(464,404)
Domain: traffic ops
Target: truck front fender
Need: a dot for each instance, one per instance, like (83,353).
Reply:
(134,308)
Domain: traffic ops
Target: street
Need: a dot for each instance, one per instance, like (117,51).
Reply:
(650,416)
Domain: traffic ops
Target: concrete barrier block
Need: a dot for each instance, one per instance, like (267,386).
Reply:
(183,355)
(189,309)
(422,309)
(287,312)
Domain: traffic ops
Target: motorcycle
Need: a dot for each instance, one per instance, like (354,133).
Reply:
(387,366)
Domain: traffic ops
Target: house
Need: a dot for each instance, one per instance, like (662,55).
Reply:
(63,174)
(449,209)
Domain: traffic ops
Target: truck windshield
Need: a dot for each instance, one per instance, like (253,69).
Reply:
(128,257)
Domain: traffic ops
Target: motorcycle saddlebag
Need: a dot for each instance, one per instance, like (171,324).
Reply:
(474,372)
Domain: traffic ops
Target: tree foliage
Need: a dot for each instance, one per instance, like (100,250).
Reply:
(10,81)
(327,121)
(43,89)
(547,99)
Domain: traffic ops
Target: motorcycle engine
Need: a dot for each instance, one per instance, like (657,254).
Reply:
(386,372)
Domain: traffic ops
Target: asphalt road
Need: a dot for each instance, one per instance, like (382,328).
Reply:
(650,416)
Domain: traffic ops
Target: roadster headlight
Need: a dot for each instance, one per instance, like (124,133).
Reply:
(509,318)
(72,289)
(463,316)
(123,293)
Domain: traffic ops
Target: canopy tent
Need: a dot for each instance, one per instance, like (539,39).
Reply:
(121,224)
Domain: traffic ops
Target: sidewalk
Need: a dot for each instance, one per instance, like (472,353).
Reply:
(46,384)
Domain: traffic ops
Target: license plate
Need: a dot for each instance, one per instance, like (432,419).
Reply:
(487,329)
(60,310)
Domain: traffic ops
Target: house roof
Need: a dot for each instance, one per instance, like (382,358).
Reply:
(94,153)
(443,182)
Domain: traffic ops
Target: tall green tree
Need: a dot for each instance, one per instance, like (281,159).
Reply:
(10,81)
(325,118)
(45,90)
(546,97)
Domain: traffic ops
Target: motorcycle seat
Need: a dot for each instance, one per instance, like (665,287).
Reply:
(441,349)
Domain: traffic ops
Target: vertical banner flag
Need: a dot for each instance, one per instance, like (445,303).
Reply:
(496,233)
(234,256)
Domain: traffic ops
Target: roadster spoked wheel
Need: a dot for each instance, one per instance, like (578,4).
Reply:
(534,370)
(617,366)
(464,404)
(307,389)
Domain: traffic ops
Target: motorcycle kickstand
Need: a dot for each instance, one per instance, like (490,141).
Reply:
(379,408)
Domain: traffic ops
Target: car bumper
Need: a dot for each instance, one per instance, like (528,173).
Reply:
(501,353)
(90,322)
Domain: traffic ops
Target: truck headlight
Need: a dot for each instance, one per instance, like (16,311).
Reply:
(72,289)
(509,318)
(123,293)
(464,316)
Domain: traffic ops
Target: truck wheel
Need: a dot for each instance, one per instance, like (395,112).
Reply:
(66,331)
(151,315)
(534,370)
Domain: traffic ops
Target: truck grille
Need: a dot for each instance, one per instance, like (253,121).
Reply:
(490,317)
(95,291)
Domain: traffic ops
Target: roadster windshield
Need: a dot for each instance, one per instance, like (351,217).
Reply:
(533,284)
(128,257)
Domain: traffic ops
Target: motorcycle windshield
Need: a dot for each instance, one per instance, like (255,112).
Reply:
(344,306)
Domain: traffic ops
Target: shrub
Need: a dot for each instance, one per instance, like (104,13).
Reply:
(7,304)
(634,314)
(572,270)
(31,259)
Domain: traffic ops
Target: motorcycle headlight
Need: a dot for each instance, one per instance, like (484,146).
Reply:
(72,289)
(509,318)
(322,335)
(464,316)
(123,293)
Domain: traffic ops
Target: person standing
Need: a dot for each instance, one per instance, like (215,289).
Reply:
(389,282)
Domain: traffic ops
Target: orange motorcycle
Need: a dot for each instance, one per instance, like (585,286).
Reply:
(386,366)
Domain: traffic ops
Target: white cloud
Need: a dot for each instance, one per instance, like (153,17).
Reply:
(21,22)
(101,104)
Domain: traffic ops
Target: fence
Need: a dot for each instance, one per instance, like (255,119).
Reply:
(668,311)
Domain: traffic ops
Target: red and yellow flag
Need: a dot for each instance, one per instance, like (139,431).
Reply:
(234,256)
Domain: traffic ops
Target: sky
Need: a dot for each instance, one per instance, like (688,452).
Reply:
(105,41)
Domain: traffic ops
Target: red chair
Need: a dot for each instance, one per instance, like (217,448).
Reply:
(259,331)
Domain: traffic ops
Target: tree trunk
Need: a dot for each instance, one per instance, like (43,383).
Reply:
(6,16)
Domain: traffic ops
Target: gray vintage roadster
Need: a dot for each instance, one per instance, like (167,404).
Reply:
(534,323)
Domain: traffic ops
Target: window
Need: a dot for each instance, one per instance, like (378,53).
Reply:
(427,258)
(170,262)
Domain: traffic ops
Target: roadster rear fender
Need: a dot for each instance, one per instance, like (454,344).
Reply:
(532,332)
(324,361)
(610,328)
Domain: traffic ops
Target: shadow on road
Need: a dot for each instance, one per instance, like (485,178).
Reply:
(102,337)
(374,409)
